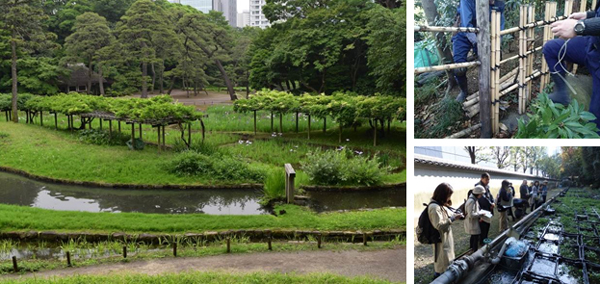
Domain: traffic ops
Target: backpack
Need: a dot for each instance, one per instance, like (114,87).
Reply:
(426,233)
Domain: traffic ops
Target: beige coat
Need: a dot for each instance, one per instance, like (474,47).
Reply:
(440,219)
(472,220)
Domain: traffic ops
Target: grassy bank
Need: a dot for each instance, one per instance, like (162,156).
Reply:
(26,218)
(206,277)
(60,154)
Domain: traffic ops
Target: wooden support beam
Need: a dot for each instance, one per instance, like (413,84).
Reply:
(445,29)
(448,66)
(483,49)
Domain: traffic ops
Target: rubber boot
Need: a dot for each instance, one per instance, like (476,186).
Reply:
(464,88)
(561,91)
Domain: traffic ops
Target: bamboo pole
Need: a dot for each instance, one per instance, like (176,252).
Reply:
(522,16)
(505,82)
(582,7)
(493,69)
(464,132)
(530,57)
(531,25)
(474,109)
(543,80)
(445,29)
(446,67)
(497,78)
(517,56)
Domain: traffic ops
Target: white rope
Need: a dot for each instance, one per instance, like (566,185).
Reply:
(562,53)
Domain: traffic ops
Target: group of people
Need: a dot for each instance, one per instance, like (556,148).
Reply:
(578,42)
(477,213)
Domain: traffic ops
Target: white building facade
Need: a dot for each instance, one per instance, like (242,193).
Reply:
(227,7)
(257,18)
(243,19)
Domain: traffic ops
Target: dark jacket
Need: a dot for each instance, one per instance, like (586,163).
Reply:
(524,192)
(486,200)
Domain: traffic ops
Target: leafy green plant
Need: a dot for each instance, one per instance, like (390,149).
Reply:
(274,186)
(220,167)
(550,120)
(188,163)
(342,168)
(102,137)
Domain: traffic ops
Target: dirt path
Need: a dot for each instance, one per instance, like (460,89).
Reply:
(386,264)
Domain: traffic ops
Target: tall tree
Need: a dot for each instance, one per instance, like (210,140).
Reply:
(142,27)
(387,49)
(23,21)
(500,154)
(473,153)
(91,35)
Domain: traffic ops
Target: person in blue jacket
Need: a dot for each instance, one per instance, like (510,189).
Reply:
(581,31)
(463,42)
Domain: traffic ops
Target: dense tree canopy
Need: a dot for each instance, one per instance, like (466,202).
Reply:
(127,46)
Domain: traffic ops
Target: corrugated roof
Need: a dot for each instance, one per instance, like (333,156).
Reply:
(427,160)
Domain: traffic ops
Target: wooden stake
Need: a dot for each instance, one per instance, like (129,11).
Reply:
(69,259)
(163,137)
(254,122)
(124,251)
(483,48)
(141,132)
(365,234)
(270,239)
(319,237)
(175,249)
(15,266)
(55,121)
(132,136)
(158,132)
(309,127)
(190,133)
(228,245)
(41,117)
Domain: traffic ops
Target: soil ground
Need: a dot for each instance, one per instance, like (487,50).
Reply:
(384,264)
(424,253)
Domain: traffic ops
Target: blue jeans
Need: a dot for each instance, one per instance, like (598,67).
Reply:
(581,50)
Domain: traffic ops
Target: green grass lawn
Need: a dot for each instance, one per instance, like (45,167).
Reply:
(59,154)
(22,218)
(205,277)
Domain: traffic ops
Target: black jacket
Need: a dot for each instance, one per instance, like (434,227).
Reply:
(486,200)
(524,192)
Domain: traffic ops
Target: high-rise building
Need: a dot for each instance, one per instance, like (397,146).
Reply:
(227,7)
(257,18)
(243,19)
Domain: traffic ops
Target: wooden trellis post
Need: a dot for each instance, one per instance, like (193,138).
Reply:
(483,49)
(290,175)
(582,8)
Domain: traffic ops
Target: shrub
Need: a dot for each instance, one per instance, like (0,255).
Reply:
(189,163)
(343,168)
(3,135)
(551,120)
(205,148)
(102,137)
(219,167)
(275,184)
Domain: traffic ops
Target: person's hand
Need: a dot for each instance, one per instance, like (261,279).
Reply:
(578,16)
(564,29)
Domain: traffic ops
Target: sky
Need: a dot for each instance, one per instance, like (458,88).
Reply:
(243,5)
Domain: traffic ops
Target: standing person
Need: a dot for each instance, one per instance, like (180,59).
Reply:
(462,42)
(544,191)
(524,191)
(486,202)
(534,195)
(578,42)
(473,219)
(442,220)
(505,198)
